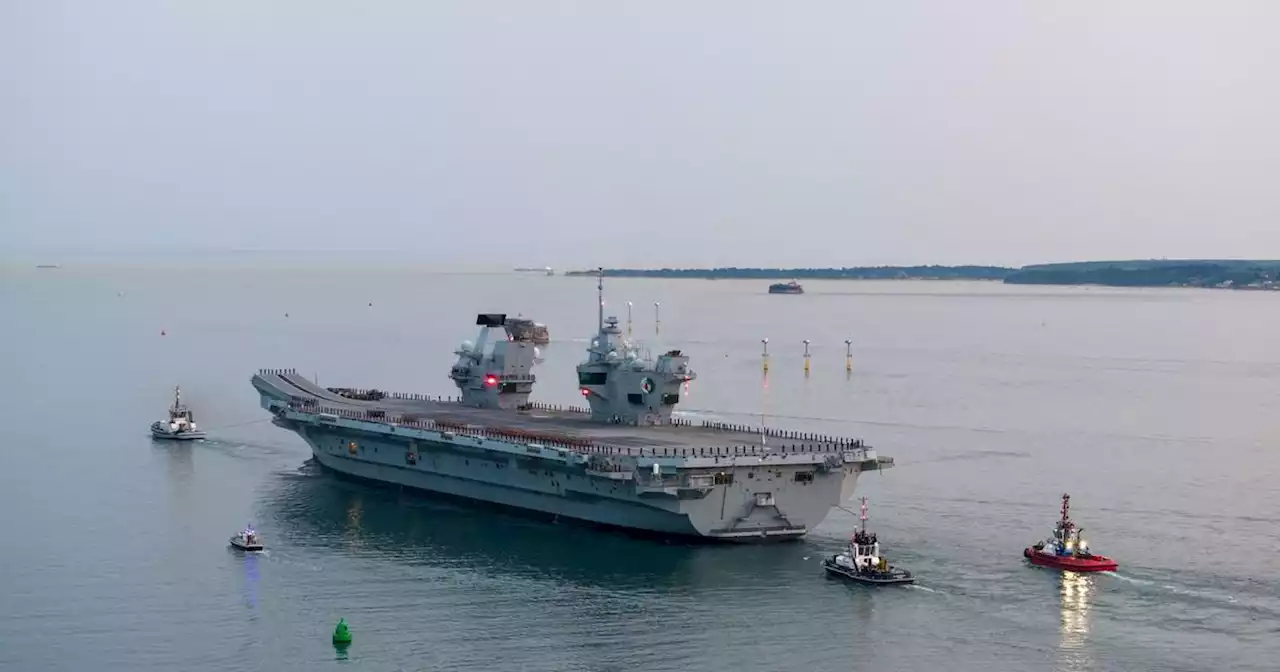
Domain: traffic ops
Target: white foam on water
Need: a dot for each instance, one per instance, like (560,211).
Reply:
(1178,590)
(1130,579)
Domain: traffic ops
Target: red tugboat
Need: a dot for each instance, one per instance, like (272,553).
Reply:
(1066,549)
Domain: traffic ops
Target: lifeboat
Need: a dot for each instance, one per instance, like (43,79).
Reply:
(1066,549)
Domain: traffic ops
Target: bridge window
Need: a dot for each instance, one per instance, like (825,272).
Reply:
(723,478)
(635,399)
(592,378)
(804,477)
(670,399)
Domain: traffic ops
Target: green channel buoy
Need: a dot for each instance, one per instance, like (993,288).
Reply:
(341,635)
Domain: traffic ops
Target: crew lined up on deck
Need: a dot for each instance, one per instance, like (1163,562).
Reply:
(720,426)
(820,444)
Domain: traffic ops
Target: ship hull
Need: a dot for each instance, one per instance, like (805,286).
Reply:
(1097,563)
(725,513)
(512,503)
(177,436)
(889,578)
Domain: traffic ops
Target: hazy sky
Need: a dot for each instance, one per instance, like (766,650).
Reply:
(645,133)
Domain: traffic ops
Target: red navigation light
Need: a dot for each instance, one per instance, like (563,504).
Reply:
(490,380)
(585,391)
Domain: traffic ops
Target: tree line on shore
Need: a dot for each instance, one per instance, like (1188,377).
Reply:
(1253,274)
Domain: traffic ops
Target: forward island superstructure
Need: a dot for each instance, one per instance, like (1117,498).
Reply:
(625,461)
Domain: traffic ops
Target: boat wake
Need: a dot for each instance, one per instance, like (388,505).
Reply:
(1248,601)
(1202,595)
(1129,579)
(265,554)
(247,449)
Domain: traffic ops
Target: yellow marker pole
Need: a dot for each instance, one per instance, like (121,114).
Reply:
(806,358)
(848,356)
(764,358)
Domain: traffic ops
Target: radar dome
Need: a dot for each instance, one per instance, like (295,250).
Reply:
(612,356)
(537,354)
(467,345)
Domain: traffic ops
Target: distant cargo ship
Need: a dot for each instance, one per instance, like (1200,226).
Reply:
(520,329)
(527,269)
(792,287)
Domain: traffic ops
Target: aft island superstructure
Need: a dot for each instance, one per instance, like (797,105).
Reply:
(624,461)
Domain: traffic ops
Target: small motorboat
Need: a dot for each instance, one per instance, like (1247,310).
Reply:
(247,540)
(862,561)
(1066,548)
(181,425)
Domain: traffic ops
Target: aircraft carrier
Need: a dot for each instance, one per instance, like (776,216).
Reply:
(624,461)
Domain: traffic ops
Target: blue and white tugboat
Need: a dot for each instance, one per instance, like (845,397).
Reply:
(862,561)
(181,425)
(247,540)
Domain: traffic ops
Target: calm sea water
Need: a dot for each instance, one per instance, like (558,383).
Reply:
(1158,410)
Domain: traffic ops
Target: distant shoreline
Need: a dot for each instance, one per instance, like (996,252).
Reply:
(850,273)
(1206,273)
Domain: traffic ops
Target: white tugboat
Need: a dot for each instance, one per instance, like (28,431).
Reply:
(181,425)
(247,540)
(862,561)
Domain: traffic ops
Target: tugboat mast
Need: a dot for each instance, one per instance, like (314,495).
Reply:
(1066,523)
(863,515)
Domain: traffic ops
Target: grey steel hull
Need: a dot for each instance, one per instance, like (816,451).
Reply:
(553,488)
(593,512)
